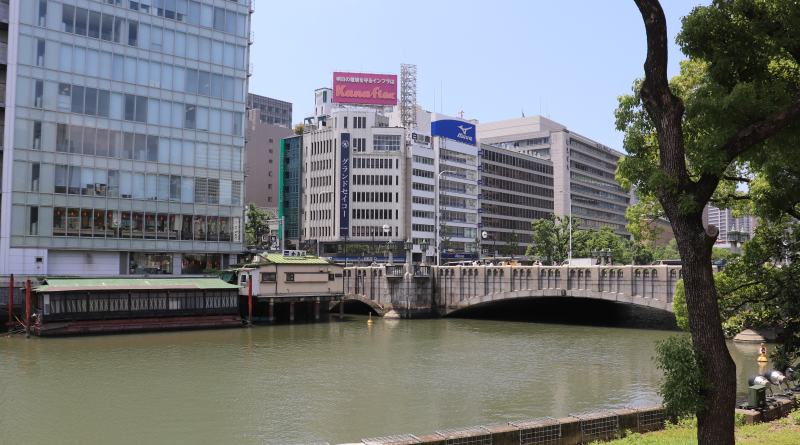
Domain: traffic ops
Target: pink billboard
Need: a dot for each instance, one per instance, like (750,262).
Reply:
(363,88)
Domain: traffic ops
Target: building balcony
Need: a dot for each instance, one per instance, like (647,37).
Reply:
(3,12)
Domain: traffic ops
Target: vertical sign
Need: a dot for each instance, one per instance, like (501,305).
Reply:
(237,224)
(281,170)
(344,195)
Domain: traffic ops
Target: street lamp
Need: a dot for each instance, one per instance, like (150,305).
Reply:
(737,236)
(436,220)
(486,235)
(570,228)
(423,245)
(344,238)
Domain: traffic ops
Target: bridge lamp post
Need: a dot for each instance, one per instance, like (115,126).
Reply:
(408,244)
(436,208)
(423,245)
(485,235)
(736,236)
(390,248)
(570,228)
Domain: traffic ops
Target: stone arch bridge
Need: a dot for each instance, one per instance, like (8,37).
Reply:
(428,290)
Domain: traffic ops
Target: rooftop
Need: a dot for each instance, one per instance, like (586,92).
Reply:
(149,283)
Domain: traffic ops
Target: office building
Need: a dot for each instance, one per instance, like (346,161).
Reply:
(517,188)
(290,202)
(124,137)
(262,160)
(725,222)
(583,170)
(271,111)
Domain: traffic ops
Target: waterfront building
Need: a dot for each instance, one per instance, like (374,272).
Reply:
(262,161)
(291,191)
(584,181)
(271,111)
(516,189)
(124,136)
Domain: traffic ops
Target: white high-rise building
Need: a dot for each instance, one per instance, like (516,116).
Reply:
(724,221)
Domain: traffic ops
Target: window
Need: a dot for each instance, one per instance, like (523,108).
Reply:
(386,142)
(289,276)
(269,276)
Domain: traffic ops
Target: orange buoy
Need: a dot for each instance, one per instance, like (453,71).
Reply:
(370,318)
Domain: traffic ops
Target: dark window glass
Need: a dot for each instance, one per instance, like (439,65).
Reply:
(141,109)
(152,148)
(133,33)
(227,88)
(114,144)
(94,24)
(130,106)
(61,184)
(219,19)
(62,138)
(204,83)
(230,22)
(77,99)
(127,148)
(103,103)
(216,85)
(170,10)
(191,80)
(88,141)
(81,21)
(101,146)
(189,118)
(140,147)
(90,107)
(74,184)
(67,18)
(75,139)
(107,27)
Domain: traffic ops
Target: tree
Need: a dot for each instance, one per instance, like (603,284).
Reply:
(256,226)
(299,129)
(445,234)
(550,238)
(511,244)
(733,106)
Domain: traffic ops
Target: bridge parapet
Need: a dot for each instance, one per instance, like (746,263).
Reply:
(455,287)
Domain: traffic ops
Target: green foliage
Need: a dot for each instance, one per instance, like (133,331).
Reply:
(679,306)
(511,245)
(684,379)
(256,227)
(738,420)
(796,416)
(445,234)
(550,238)
(211,272)
(718,253)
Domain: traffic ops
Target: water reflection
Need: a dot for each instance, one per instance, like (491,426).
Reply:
(338,381)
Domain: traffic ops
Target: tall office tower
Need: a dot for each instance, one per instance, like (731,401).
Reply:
(583,170)
(271,111)
(123,142)
(291,192)
(724,221)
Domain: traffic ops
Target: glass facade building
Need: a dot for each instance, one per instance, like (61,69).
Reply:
(272,111)
(124,135)
(292,187)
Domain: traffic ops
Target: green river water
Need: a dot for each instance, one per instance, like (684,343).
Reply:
(337,381)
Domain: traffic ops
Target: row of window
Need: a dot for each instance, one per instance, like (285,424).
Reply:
(324,164)
(590,180)
(359,145)
(102,223)
(458,172)
(520,199)
(422,187)
(515,186)
(321,147)
(598,213)
(421,200)
(591,223)
(600,193)
(454,201)
(457,187)
(422,228)
(592,170)
(595,151)
(423,160)
(87,181)
(118,144)
(448,215)
(374,214)
(372,231)
(458,157)
(422,214)
(596,203)
(518,212)
(318,198)
(321,181)
(422,173)
(515,173)
(376,163)
(591,160)
(374,180)
(386,142)
(374,197)
(89,23)
(514,161)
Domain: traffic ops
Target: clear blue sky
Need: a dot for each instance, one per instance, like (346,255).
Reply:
(493,57)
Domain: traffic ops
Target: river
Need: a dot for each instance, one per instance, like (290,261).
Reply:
(337,381)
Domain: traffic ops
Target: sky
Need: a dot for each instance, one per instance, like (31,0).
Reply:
(493,59)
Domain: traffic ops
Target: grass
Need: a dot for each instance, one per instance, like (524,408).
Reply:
(785,431)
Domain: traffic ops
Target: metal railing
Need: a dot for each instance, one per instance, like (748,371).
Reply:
(422,271)
(252,6)
(395,271)
(250,69)
(252,38)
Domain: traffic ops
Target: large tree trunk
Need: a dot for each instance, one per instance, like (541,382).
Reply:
(715,425)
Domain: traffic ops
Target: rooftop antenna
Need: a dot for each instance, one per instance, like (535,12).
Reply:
(408,95)
(461,113)
(523,111)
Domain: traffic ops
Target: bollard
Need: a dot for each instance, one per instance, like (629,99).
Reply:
(316,310)
(291,309)
(11,299)
(271,310)
(28,310)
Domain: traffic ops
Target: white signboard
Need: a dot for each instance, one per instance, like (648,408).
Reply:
(236,229)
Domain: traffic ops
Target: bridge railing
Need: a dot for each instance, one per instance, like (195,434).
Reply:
(450,285)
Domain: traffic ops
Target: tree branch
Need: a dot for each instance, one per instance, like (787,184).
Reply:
(731,196)
(759,131)
(736,178)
